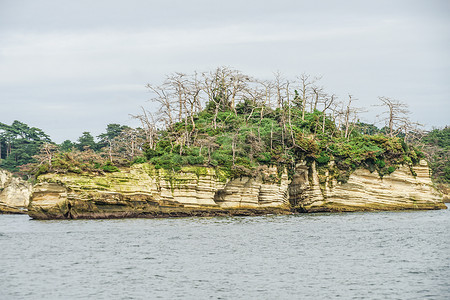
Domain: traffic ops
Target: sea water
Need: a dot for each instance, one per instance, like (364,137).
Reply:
(376,255)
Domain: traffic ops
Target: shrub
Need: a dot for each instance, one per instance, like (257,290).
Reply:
(195,160)
(407,159)
(150,153)
(323,158)
(264,157)
(223,158)
(390,169)
(240,171)
(42,170)
(109,167)
(168,161)
(380,163)
(139,160)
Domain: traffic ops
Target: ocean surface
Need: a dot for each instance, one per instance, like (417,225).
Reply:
(376,255)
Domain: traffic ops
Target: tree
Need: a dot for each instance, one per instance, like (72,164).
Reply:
(350,116)
(67,146)
(149,126)
(436,145)
(327,102)
(125,146)
(193,103)
(239,85)
(396,115)
(106,139)
(165,100)
(177,83)
(86,141)
(347,116)
(317,93)
(46,153)
(304,90)
(19,143)
(216,85)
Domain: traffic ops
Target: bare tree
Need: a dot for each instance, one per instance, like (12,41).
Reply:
(396,115)
(148,125)
(268,91)
(327,102)
(177,82)
(350,115)
(192,105)
(46,153)
(165,100)
(317,94)
(279,85)
(128,144)
(214,87)
(239,84)
(210,143)
(304,90)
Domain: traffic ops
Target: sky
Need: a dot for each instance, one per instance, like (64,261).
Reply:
(72,66)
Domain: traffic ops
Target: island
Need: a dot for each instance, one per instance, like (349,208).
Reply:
(224,144)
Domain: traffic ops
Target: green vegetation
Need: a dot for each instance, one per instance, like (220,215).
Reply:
(28,150)
(240,143)
(437,148)
(243,129)
(18,144)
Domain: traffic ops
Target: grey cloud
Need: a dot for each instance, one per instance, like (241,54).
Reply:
(72,66)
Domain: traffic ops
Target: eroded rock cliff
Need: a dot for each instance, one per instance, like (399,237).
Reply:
(365,191)
(142,191)
(14,193)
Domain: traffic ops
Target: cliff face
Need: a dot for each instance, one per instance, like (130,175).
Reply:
(142,191)
(14,193)
(366,191)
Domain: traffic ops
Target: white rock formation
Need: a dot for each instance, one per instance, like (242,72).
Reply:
(14,193)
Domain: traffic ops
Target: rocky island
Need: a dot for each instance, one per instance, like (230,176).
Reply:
(225,144)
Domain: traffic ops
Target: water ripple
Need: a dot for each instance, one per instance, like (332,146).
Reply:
(395,255)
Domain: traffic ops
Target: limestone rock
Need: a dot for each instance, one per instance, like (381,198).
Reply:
(367,191)
(142,191)
(14,193)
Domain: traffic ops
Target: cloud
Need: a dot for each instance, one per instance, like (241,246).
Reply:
(87,62)
(57,56)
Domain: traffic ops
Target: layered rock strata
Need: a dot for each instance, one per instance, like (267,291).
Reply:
(142,191)
(365,191)
(14,193)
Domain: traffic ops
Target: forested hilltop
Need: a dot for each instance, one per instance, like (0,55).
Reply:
(240,125)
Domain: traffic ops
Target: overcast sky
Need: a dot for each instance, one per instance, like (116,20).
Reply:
(73,66)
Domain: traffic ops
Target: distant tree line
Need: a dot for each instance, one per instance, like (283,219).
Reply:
(436,145)
(26,150)
(18,144)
